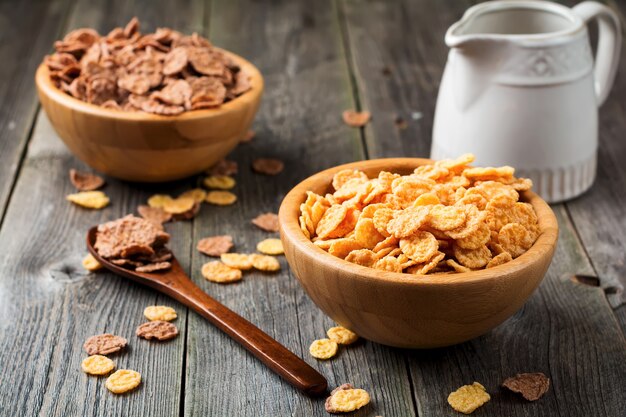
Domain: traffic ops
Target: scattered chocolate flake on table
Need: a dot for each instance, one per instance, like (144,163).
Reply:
(104,344)
(532,386)
(268,166)
(164,72)
(215,245)
(267,222)
(158,329)
(356,119)
(224,167)
(85,181)
(400,123)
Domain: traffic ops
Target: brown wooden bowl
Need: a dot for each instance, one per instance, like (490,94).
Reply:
(406,310)
(138,146)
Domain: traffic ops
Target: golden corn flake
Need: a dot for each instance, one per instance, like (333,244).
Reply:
(123,380)
(89,199)
(468,398)
(446,218)
(163,313)
(178,205)
(221,198)
(499,259)
(216,271)
(472,258)
(158,200)
(342,177)
(270,247)
(420,247)
(366,233)
(341,335)
(323,348)
(515,239)
(340,247)
(240,261)
(408,221)
(97,365)
(364,257)
(346,398)
(197,194)
(442,218)
(91,264)
(265,263)
(219,182)
(331,220)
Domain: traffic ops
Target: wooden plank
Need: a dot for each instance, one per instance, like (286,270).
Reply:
(50,304)
(17,91)
(397,52)
(600,214)
(297,47)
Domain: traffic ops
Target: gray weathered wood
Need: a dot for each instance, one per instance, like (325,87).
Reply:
(49,304)
(600,214)
(297,47)
(27,31)
(397,52)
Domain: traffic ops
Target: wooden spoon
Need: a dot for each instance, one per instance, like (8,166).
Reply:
(175,283)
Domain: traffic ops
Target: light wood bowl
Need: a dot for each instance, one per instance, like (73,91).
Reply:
(138,146)
(406,310)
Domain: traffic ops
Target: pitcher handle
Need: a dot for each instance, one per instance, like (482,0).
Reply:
(609,45)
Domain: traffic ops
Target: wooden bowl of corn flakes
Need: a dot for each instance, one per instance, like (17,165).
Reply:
(146,136)
(439,295)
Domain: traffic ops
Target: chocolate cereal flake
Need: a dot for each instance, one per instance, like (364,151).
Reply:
(268,166)
(85,181)
(128,236)
(356,119)
(224,167)
(159,67)
(215,245)
(159,266)
(267,222)
(158,329)
(531,386)
(104,344)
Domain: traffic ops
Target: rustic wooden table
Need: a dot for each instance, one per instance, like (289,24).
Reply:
(318,58)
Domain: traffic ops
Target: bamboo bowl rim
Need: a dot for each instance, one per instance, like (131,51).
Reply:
(291,232)
(46,87)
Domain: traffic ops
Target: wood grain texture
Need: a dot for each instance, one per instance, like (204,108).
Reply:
(397,54)
(296,45)
(600,214)
(54,304)
(17,92)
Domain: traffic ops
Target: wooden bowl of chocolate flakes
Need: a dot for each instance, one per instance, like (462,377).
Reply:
(147,107)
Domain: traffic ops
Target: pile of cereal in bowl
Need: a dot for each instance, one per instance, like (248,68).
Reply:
(442,218)
(164,72)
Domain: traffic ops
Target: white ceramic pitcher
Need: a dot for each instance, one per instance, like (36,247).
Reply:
(520,88)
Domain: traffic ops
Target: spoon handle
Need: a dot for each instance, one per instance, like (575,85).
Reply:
(277,357)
